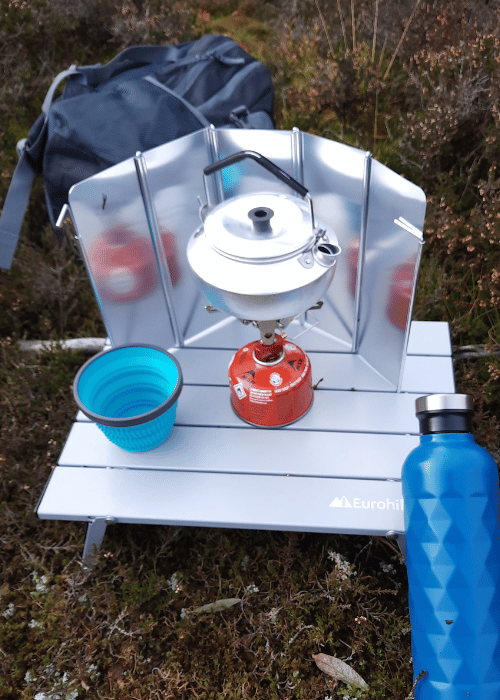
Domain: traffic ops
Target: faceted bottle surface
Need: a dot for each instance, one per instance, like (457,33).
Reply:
(451,494)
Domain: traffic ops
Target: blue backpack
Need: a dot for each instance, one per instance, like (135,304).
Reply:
(144,97)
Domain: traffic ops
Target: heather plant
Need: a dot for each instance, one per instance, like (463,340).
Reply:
(157,22)
(453,131)
(334,92)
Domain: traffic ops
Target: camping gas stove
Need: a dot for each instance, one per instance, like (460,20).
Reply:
(265,254)
(270,381)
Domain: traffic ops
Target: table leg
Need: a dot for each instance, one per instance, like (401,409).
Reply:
(95,535)
(401,538)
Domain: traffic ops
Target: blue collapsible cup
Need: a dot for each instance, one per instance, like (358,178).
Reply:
(131,393)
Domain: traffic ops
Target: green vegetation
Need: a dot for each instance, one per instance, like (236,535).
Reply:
(416,83)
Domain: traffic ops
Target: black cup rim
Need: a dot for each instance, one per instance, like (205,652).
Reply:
(133,420)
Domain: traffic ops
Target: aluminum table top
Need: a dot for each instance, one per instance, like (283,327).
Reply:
(337,469)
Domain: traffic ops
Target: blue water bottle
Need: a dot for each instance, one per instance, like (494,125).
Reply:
(452,502)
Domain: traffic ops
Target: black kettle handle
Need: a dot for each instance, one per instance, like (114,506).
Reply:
(265,162)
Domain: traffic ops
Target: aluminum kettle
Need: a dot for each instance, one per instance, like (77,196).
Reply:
(262,256)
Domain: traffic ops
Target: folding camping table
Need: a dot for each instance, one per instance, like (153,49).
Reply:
(337,469)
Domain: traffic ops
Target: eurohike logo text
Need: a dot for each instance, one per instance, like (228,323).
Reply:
(343,502)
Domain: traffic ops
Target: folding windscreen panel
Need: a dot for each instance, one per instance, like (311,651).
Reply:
(134,220)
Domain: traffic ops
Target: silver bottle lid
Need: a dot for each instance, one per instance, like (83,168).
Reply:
(444,402)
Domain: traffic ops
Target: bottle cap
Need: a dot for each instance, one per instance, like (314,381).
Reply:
(435,403)
(444,413)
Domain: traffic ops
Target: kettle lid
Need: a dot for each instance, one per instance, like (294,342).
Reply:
(259,227)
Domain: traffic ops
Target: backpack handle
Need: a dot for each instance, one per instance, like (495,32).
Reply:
(97,74)
(49,97)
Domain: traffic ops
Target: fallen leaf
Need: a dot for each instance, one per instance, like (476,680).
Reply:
(339,670)
(215,607)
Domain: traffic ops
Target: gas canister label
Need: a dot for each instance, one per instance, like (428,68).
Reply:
(261,395)
(239,391)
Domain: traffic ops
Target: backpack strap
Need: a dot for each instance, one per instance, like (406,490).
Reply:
(49,97)
(169,54)
(96,75)
(16,201)
(196,112)
(14,208)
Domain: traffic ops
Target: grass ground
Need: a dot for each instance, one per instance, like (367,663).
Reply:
(417,84)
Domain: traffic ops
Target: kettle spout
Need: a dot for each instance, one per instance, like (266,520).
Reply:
(326,254)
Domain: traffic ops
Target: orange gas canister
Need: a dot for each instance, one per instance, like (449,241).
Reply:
(400,295)
(270,392)
(124,265)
